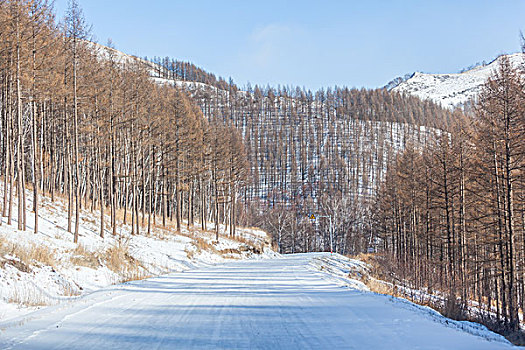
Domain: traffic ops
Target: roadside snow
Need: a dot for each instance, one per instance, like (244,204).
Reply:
(38,270)
(349,272)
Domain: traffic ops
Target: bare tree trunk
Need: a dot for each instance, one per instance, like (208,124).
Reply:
(36,182)
(20,131)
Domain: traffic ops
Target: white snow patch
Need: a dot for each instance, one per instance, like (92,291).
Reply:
(26,286)
(454,90)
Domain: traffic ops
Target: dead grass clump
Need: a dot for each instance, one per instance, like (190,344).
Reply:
(27,295)
(370,259)
(257,245)
(201,244)
(3,251)
(135,275)
(83,257)
(377,275)
(71,291)
(33,253)
(117,257)
(89,219)
(19,265)
(119,213)
(43,255)
(158,233)
(119,260)
(380,267)
(189,253)
(230,253)
(2,245)
(251,248)
(382,287)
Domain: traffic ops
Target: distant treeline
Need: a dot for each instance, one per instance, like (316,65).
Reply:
(169,68)
(321,153)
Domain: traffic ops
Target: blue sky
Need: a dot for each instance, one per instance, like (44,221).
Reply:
(310,43)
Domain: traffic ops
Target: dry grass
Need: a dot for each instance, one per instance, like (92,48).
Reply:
(44,255)
(27,296)
(365,257)
(190,254)
(31,254)
(119,260)
(192,232)
(382,287)
(3,250)
(251,245)
(70,291)
(380,267)
(161,234)
(230,253)
(204,241)
(380,273)
(17,264)
(135,275)
(202,244)
(90,219)
(120,215)
(375,279)
(83,257)
(30,295)
(117,257)
(275,246)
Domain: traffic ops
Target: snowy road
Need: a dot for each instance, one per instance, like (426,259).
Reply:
(262,304)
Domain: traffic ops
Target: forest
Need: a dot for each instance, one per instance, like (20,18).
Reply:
(80,122)
(320,153)
(86,122)
(451,216)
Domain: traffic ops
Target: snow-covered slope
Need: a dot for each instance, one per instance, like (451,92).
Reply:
(453,90)
(38,270)
(297,301)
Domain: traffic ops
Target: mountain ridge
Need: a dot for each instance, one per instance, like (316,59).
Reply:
(451,90)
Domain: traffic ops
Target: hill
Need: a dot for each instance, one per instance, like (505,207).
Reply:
(321,153)
(453,90)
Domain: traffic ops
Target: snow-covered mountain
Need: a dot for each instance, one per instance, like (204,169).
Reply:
(453,90)
(448,90)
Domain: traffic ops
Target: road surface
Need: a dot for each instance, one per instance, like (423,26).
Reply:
(281,303)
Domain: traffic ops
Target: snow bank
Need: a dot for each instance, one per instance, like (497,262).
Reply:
(351,272)
(38,270)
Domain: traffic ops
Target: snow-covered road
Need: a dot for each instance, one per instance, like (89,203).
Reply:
(262,304)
